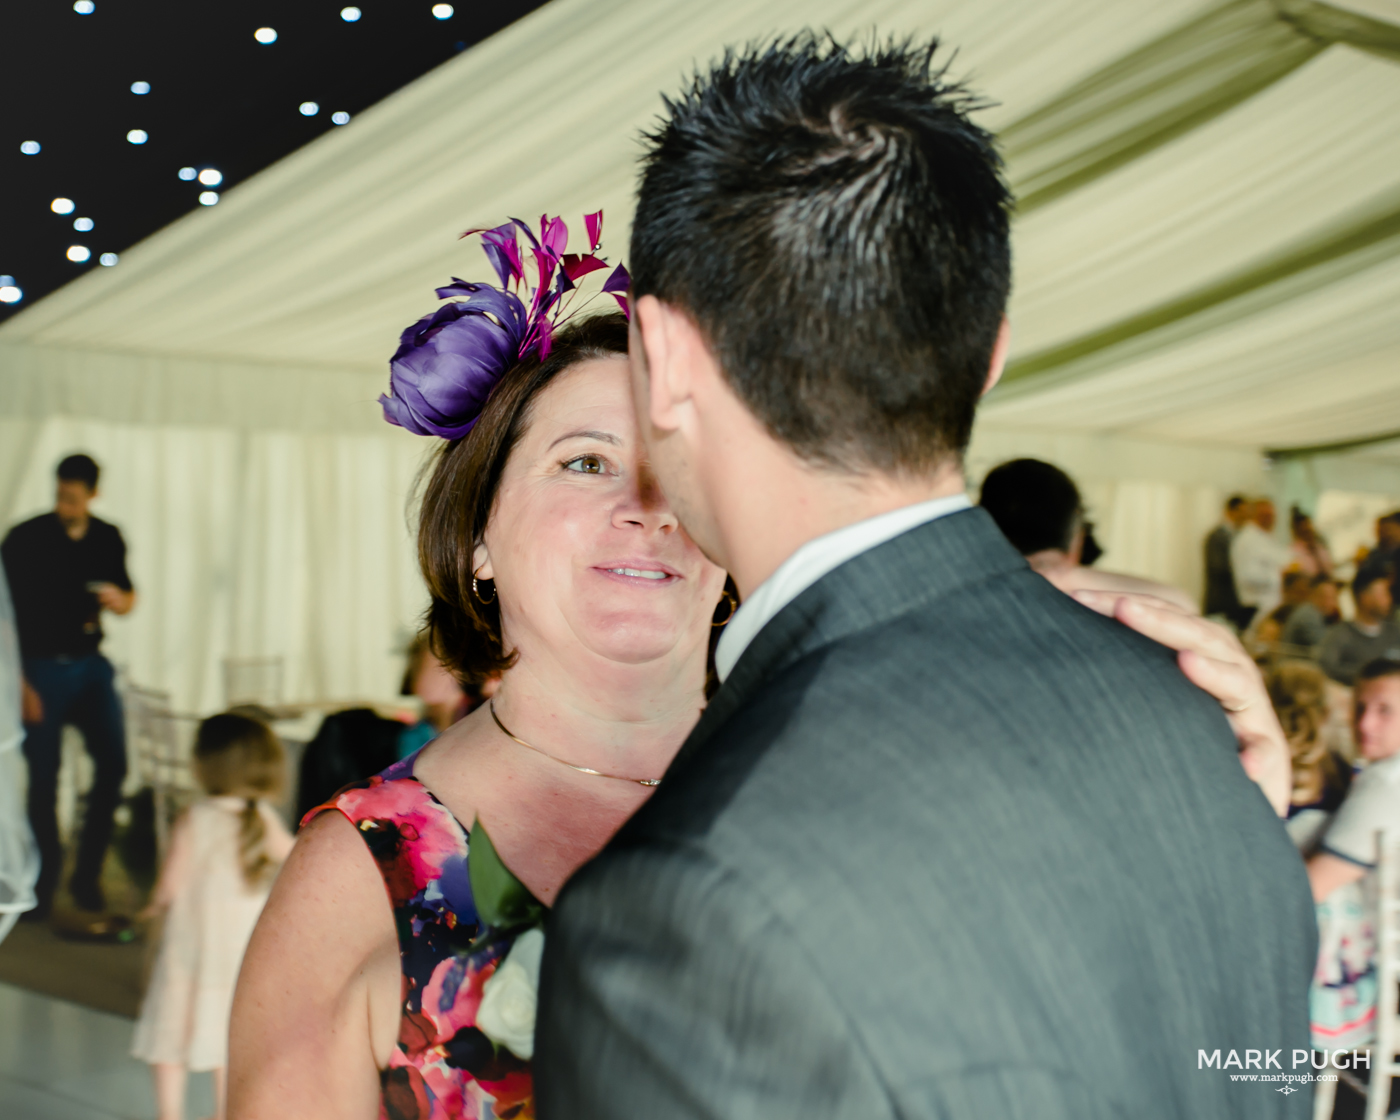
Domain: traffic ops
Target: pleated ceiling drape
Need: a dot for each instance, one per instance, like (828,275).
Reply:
(1205,268)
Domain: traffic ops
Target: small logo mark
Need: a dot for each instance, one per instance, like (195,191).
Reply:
(1288,1089)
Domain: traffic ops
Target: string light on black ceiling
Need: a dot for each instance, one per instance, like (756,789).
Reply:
(121,117)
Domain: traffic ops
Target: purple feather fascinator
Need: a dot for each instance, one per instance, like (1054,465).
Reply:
(448,362)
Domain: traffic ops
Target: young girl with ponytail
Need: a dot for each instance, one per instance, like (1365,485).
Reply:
(224,853)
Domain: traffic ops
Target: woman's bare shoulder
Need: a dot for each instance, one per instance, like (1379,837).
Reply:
(316,1003)
(329,873)
(328,914)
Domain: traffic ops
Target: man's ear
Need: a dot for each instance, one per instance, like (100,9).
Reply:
(667,342)
(1076,544)
(999,352)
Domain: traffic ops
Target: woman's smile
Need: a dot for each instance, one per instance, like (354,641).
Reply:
(639,573)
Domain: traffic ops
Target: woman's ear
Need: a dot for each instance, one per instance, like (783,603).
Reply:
(481,562)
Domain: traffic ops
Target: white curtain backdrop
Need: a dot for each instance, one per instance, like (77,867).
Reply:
(246,543)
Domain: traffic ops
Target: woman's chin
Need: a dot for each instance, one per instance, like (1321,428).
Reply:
(633,640)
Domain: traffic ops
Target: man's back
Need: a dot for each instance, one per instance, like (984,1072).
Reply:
(1305,628)
(1220,597)
(946,844)
(1346,648)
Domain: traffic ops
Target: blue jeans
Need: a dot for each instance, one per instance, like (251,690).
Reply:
(77,691)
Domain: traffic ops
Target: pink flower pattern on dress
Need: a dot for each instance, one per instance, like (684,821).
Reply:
(443,1068)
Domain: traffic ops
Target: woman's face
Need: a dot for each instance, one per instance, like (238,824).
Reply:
(584,550)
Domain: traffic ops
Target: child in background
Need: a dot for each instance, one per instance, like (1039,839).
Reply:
(445,700)
(224,854)
(1321,777)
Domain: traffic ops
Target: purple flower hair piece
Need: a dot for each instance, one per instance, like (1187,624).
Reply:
(448,363)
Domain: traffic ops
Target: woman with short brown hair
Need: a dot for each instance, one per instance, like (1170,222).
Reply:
(385,976)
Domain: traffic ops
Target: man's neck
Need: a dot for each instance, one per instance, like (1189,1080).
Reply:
(76,528)
(1050,560)
(760,526)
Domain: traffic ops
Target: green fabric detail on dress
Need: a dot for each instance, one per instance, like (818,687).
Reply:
(503,902)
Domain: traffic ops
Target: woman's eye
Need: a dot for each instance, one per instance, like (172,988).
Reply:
(585,464)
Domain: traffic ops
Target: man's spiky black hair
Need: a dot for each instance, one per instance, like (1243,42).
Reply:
(838,227)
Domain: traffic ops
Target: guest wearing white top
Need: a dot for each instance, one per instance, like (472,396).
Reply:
(1343,997)
(1258,559)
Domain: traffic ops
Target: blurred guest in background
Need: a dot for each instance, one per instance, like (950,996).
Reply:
(445,699)
(349,746)
(1296,588)
(1038,508)
(1344,986)
(19,858)
(1307,625)
(1386,554)
(1257,559)
(1220,598)
(1321,777)
(65,568)
(224,853)
(1309,551)
(1372,634)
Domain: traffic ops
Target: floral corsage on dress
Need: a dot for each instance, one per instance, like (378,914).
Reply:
(470,943)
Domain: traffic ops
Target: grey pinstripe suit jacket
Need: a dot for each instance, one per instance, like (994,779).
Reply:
(946,844)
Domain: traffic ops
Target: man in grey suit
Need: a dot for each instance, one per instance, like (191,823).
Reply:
(945,843)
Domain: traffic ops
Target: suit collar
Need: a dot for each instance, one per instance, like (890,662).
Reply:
(813,560)
(924,564)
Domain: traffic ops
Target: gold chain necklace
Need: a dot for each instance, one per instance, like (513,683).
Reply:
(506,731)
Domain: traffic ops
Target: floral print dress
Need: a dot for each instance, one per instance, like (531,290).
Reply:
(444,1067)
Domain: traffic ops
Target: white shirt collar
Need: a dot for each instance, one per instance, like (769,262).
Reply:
(812,561)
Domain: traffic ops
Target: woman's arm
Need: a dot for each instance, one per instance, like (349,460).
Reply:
(174,871)
(1070,578)
(1215,662)
(1327,872)
(316,1012)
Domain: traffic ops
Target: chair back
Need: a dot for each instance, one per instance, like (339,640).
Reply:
(160,744)
(1383,1063)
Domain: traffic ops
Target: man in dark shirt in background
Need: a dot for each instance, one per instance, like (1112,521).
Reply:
(64,569)
(1221,597)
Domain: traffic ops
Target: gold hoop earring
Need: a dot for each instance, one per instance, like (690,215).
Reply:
(733,606)
(477,592)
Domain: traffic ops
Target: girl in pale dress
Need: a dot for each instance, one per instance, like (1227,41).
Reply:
(224,853)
